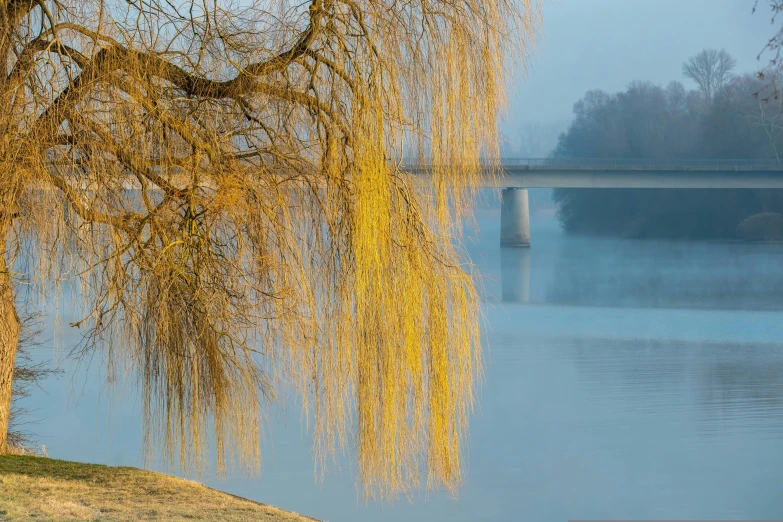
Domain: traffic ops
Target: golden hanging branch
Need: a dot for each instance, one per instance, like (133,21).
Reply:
(221,178)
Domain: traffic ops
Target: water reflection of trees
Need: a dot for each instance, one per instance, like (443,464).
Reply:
(750,390)
(667,274)
(629,363)
(722,384)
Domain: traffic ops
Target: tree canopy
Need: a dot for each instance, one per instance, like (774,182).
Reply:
(222,178)
(649,121)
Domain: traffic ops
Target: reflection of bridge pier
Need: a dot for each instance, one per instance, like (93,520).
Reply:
(515,275)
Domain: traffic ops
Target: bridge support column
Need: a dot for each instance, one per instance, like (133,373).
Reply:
(515,218)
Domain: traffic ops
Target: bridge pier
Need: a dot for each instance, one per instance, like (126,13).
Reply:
(515,218)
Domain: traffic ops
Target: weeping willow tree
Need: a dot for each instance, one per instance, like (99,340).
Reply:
(225,182)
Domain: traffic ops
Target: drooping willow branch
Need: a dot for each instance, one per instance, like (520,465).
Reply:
(223,180)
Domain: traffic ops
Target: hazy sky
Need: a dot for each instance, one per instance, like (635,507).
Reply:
(606,44)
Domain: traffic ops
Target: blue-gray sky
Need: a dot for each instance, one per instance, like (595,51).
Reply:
(606,44)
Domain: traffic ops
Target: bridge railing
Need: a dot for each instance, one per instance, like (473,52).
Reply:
(645,163)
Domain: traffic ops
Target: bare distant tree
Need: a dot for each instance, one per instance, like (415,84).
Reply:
(217,176)
(710,69)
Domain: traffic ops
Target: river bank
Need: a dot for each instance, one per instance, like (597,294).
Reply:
(36,488)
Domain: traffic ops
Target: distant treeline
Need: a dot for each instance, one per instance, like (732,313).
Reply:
(722,120)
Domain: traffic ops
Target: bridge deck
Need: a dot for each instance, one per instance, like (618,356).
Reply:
(633,178)
(638,173)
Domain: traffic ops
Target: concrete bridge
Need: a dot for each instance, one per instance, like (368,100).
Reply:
(522,174)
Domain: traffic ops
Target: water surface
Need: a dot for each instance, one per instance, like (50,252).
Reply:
(624,379)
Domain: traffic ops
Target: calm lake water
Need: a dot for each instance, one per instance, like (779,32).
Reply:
(624,379)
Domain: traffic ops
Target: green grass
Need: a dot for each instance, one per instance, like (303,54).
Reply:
(42,489)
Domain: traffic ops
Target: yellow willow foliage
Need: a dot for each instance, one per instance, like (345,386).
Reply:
(225,181)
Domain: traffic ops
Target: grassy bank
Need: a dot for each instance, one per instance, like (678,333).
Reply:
(42,489)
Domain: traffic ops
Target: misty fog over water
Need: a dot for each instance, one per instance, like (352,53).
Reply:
(624,379)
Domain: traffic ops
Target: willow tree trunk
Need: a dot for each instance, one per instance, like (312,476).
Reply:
(9,339)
